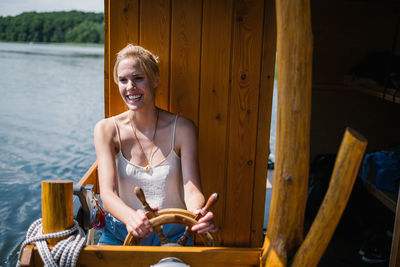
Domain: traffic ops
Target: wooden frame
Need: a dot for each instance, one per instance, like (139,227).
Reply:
(214,70)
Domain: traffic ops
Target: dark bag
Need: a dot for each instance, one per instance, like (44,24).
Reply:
(386,165)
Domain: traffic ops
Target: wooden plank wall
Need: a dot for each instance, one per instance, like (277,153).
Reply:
(216,68)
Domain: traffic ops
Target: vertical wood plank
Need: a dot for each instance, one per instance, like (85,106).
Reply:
(123,29)
(246,55)
(155,36)
(214,100)
(185,57)
(264,122)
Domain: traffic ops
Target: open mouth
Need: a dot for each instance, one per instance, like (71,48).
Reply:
(134,98)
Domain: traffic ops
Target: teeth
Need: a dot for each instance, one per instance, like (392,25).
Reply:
(133,97)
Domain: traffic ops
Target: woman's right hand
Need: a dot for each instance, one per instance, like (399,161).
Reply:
(138,224)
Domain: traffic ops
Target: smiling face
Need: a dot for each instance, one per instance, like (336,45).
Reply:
(136,89)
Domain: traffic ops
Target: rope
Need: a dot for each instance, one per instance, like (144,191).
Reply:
(65,252)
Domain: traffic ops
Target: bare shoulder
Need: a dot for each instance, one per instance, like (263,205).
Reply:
(104,128)
(107,126)
(185,125)
(167,120)
(186,131)
(105,131)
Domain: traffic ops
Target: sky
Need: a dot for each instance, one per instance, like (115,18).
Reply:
(15,7)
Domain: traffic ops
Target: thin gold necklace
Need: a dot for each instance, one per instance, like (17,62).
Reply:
(147,168)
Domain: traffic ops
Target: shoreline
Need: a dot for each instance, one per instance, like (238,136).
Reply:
(55,43)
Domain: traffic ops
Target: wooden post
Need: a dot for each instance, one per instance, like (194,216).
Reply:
(57,207)
(289,191)
(395,251)
(344,174)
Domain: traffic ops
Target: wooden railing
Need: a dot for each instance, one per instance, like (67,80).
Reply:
(91,177)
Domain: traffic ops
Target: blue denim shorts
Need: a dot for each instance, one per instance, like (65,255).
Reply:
(114,233)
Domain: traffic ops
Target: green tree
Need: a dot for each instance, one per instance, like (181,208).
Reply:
(72,26)
(85,32)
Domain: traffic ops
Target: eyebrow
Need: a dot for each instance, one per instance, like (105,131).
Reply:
(135,74)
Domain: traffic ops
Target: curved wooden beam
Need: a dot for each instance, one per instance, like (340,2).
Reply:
(91,177)
(289,191)
(344,173)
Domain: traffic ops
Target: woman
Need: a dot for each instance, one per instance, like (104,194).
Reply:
(147,147)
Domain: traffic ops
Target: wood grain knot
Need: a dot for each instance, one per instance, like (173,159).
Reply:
(239,19)
(99,255)
(289,179)
(243,76)
(250,162)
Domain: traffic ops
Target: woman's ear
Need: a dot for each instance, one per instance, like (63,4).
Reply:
(156,81)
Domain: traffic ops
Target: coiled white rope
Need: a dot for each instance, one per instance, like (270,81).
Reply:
(65,252)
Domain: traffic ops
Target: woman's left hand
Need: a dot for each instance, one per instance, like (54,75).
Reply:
(206,223)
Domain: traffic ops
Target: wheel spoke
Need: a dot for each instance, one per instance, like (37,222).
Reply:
(160,233)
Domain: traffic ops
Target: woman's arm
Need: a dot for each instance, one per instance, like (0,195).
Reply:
(105,141)
(194,198)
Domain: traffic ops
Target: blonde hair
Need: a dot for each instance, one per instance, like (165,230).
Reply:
(147,60)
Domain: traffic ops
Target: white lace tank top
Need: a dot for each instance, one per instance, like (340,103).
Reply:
(162,185)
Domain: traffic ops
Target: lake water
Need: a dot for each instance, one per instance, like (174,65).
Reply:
(51,96)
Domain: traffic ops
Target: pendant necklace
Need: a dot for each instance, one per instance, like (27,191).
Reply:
(148,160)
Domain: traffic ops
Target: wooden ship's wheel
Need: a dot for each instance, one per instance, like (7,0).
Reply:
(172,216)
(168,216)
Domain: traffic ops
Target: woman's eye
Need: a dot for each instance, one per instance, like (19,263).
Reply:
(123,80)
(138,78)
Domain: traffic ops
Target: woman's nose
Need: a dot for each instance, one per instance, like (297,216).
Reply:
(131,84)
